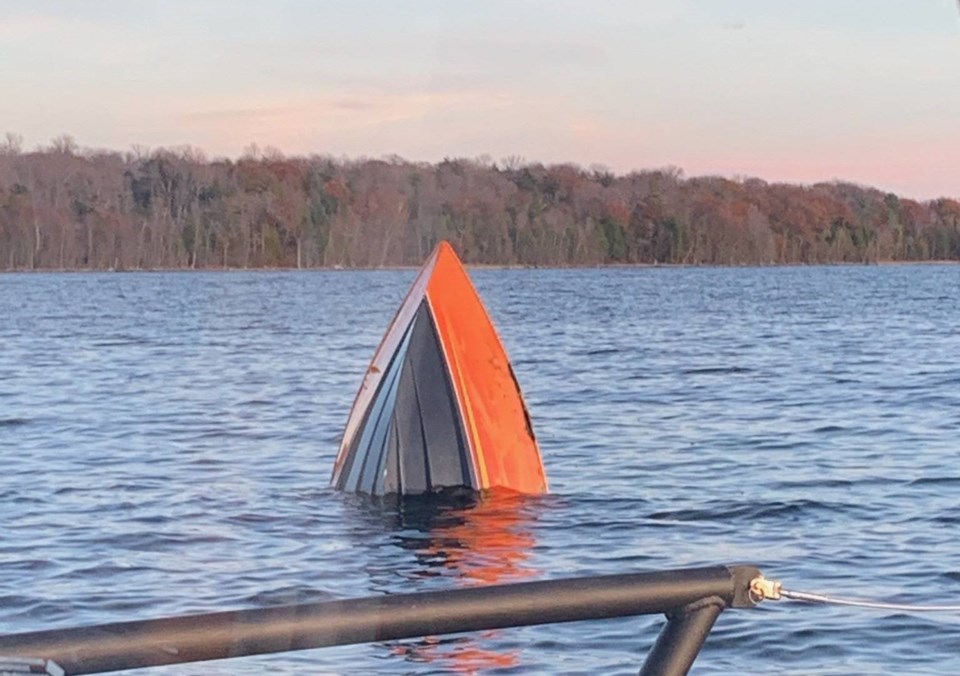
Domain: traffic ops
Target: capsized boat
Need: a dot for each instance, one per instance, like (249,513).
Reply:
(440,406)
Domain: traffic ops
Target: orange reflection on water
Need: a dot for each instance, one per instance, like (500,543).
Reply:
(489,541)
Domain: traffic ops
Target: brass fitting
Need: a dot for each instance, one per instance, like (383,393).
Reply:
(762,589)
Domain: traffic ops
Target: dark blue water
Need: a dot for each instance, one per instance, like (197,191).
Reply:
(166,442)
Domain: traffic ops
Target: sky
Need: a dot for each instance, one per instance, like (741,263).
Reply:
(866,91)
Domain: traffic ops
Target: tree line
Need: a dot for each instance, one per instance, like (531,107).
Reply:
(63,207)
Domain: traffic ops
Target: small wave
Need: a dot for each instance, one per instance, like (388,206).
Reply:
(250,518)
(27,611)
(287,596)
(951,518)
(829,429)
(946,382)
(121,342)
(748,511)
(936,481)
(14,422)
(105,570)
(599,352)
(533,361)
(29,565)
(816,483)
(716,371)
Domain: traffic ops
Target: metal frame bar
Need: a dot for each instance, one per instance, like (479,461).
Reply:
(213,636)
(682,637)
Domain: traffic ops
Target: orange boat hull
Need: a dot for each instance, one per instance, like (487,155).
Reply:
(439,406)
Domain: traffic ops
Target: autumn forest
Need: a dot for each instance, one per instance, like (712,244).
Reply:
(63,207)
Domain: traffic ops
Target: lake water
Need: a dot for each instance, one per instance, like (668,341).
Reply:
(166,442)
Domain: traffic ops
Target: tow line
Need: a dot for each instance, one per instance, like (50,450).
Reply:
(762,589)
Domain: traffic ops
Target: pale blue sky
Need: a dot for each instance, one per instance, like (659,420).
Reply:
(862,90)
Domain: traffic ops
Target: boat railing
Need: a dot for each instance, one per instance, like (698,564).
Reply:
(691,599)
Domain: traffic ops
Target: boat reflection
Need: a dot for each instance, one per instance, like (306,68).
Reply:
(458,539)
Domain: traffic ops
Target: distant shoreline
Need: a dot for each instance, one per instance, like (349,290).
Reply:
(476,266)
(67,209)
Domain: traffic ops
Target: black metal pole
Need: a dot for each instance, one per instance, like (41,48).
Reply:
(682,637)
(176,640)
